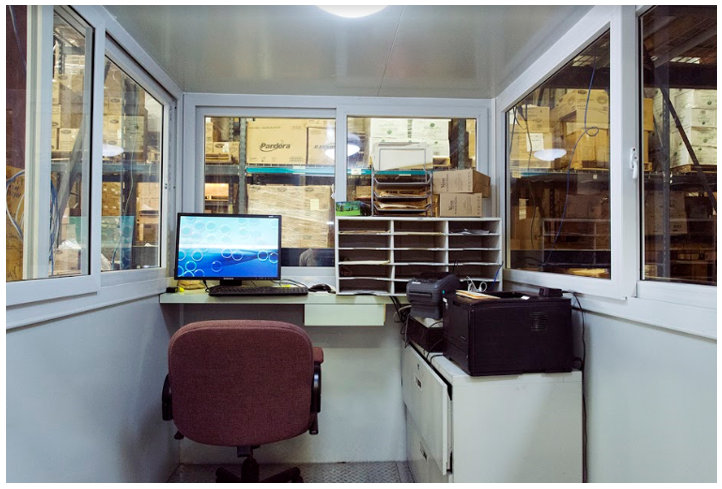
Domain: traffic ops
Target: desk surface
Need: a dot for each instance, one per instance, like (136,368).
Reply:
(320,298)
(319,308)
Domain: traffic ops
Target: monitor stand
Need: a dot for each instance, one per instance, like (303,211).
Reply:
(234,283)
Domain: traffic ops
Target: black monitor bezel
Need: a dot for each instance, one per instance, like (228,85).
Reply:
(205,214)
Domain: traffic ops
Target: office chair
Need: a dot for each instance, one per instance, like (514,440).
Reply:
(243,383)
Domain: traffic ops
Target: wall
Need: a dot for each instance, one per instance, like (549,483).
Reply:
(362,415)
(651,403)
(83,398)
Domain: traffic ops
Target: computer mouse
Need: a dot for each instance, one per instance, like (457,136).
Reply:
(320,288)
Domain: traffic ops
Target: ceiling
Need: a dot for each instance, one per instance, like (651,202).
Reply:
(402,51)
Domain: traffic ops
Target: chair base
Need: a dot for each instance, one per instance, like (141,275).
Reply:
(250,474)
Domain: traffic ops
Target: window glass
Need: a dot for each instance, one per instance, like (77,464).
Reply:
(679,137)
(47,174)
(558,169)
(276,166)
(132,144)
(390,160)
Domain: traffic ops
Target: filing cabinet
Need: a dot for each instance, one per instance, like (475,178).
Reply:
(506,428)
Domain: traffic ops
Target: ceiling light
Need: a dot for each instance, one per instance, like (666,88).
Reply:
(549,154)
(352,11)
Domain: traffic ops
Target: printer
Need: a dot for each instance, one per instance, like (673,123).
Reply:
(426,293)
(510,333)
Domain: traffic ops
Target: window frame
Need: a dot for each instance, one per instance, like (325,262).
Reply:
(197,106)
(623,114)
(40,35)
(35,301)
(626,295)
(131,68)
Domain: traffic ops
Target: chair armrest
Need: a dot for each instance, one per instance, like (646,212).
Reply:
(316,389)
(317,355)
(167,400)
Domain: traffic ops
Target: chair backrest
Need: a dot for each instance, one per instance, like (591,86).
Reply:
(238,382)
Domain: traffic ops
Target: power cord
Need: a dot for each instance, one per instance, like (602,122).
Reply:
(582,364)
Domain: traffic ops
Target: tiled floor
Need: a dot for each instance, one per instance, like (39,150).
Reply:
(319,473)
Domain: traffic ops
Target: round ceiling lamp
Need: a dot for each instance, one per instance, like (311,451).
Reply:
(549,154)
(352,11)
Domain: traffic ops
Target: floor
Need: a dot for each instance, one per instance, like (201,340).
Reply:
(365,472)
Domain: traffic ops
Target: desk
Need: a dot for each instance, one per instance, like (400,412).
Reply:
(319,308)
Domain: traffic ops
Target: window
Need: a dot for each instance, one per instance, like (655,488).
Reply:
(280,166)
(389,158)
(48,167)
(679,124)
(132,156)
(557,141)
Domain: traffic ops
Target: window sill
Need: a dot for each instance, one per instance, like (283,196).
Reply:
(47,309)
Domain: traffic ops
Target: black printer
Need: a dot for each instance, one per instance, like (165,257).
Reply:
(516,333)
(427,291)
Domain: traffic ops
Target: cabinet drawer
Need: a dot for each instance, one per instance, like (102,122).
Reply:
(427,401)
(423,467)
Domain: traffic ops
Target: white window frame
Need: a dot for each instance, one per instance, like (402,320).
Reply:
(41,300)
(686,308)
(40,35)
(197,106)
(623,103)
(130,68)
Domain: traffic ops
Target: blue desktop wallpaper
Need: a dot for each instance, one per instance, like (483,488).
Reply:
(227,246)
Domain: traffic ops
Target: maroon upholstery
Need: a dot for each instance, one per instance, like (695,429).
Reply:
(241,382)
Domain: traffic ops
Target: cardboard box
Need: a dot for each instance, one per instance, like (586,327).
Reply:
(276,142)
(471,134)
(537,118)
(698,99)
(706,155)
(587,206)
(460,205)
(147,228)
(654,214)
(439,148)
(66,139)
(54,139)
(461,181)
(526,227)
(113,106)
(217,191)
(112,128)
(697,136)
(572,127)
(392,156)
(648,115)
(573,107)
(306,212)
(689,117)
(395,129)
(321,146)
(111,198)
(430,130)
(524,144)
(72,82)
(592,148)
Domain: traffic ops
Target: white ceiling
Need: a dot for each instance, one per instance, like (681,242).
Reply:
(402,51)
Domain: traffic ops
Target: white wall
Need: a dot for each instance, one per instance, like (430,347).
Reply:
(651,403)
(83,398)
(362,412)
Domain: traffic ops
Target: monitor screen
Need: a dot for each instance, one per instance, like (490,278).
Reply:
(228,247)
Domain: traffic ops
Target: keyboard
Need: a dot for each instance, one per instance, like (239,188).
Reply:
(237,290)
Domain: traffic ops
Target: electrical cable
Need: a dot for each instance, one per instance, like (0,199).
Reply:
(14,221)
(584,401)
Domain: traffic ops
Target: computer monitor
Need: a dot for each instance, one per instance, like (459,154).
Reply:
(228,247)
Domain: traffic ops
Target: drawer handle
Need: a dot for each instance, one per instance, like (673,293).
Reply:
(418,382)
